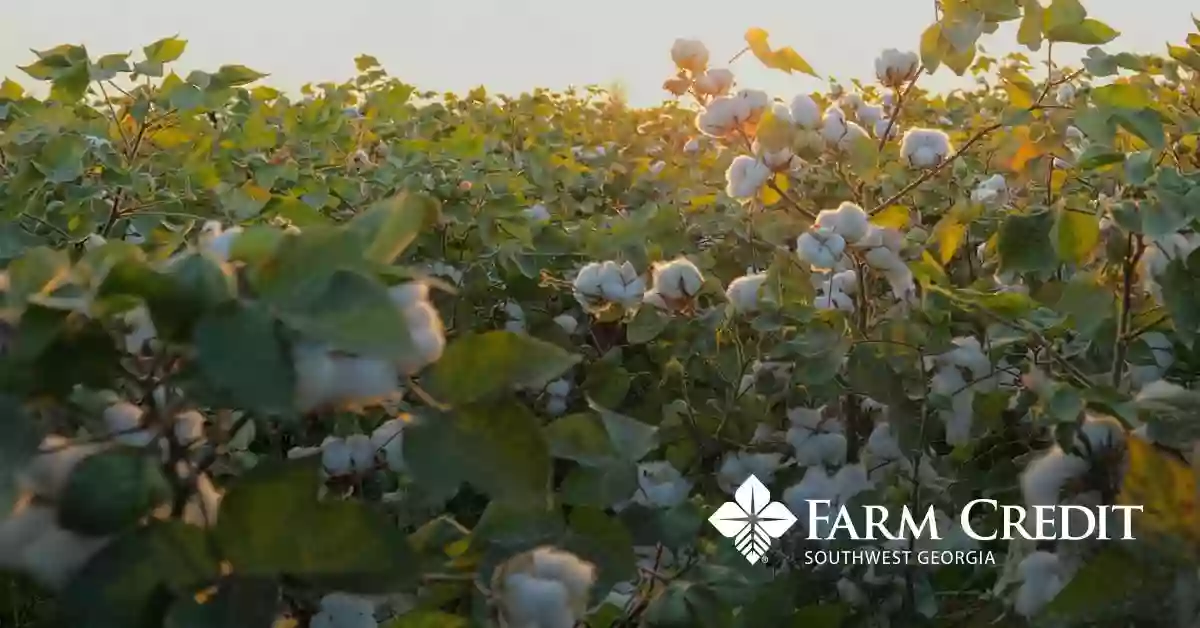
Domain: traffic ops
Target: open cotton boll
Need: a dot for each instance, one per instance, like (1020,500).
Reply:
(537,213)
(389,439)
(1099,435)
(737,467)
(884,259)
(656,300)
(678,279)
(714,82)
(661,485)
(46,475)
(125,425)
(869,115)
(598,284)
(1044,478)
(805,112)
(216,241)
(816,485)
(545,588)
(141,329)
(362,452)
(834,300)
(949,381)
(656,168)
(777,161)
(567,323)
(848,220)
(894,68)
(1065,94)
(885,126)
(1042,579)
(851,480)
(743,292)
(692,146)
(342,610)
(753,103)
(721,116)
(32,542)
(689,54)
(745,176)
(359,380)
(925,148)
(189,428)
(822,248)
(336,456)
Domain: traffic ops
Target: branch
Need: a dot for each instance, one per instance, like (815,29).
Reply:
(929,174)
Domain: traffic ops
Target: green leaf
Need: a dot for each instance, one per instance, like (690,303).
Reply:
(1110,576)
(1121,95)
(111,491)
(62,158)
(1076,234)
(237,602)
(19,440)
(203,280)
(600,486)
(343,544)
(631,438)
(646,325)
(123,586)
(38,271)
(1147,124)
(240,353)
(1062,13)
(1088,302)
(234,76)
(365,62)
(608,384)
(392,225)
(1186,56)
(1030,32)
(1088,31)
(352,312)
(498,448)
(427,619)
(165,50)
(480,365)
(581,438)
(603,541)
(1099,156)
(1166,216)
(1024,243)
(820,616)
(1181,296)
(933,47)
(109,66)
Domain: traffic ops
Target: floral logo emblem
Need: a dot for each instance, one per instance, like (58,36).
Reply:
(752,519)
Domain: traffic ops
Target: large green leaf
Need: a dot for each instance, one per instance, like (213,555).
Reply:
(19,438)
(1024,243)
(341,543)
(350,311)
(241,354)
(110,491)
(477,366)
(389,227)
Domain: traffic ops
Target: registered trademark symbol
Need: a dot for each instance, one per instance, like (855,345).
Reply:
(764,560)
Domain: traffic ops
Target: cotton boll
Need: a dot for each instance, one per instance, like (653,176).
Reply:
(805,112)
(869,115)
(820,247)
(894,68)
(428,335)
(656,300)
(845,281)
(754,103)
(692,146)
(690,54)
(816,485)
(204,506)
(537,213)
(559,388)
(342,610)
(850,593)
(885,125)
(884,259)
(54,555)
(189,428)
(678,279)
(848,220)
(778,160)
(743,292)
(657,167)
(406,295)
(1099,434)
(1044,478)
(834,301)
(817,448)
(47,474)
(336,456)
(556,406)
(1041,580)
(389,439)
(358,380)
(123,417)
(745,176)
(925,148)
(737,467)
(545,588)
(362,453)
(1065,94)
(661,485)
(851,480)
(715,82)
(721,116)
(567,323)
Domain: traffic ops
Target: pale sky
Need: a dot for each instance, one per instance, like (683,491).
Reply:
(512,46)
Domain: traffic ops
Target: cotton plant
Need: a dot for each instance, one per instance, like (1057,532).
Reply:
(745,176)
(847,228)
(958,375)
(743,293)
(602,287)
(838,132)
(1159,254)
(778,372)
(726,115)
(544,588)
(660,485)
(1065,94)
(558,394)
(925,148)
(991,192)
(818,485)
(894,68)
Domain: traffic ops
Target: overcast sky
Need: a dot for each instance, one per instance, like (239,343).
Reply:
(514,45)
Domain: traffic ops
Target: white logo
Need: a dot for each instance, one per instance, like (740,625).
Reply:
(752,519)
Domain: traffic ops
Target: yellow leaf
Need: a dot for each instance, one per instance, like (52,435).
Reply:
(949,234)
(1057,179)
(170,138)
(769,195)
(933,47)
(786,58)
(893,217)
(1027,151)
(703,201)
(1076,235)
(1166,489)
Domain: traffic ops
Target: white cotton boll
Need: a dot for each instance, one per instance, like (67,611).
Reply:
(360,380)
(1041,580)
(50,554)
(851,480)
(1065,94)
(949,381)
(1099,434)
(1062,164)
(336,456)
(406,295)
(888,98)
(845,281)
(362,453)
(661,485)
(715,82)
(587,281)
(893,68)
(654,299)
(745,176)
(559,388)
(869,115)
(882,444)
(514,310)
(689,54)
(754,103)
(991,191)
(428,335)
(721,116)
(743,292)
(925,148)
(805,112)
(835,300)
(389,439)
(692,146)
(316,372)
(537,213)
(1044,478)
(884,259)
(737,467)
(123,417)
(848,220)
(817,448)
(204,506)
(296,453)
(93,242)
(342,610)
(781,112)
(189,428)
(677,279)
(516,327)
(885,125)
(853,100)
(657,167)
(546,588)
(567,323)
(1075,139)
(820,247)
(556,406)
(777,161)
(850,133)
